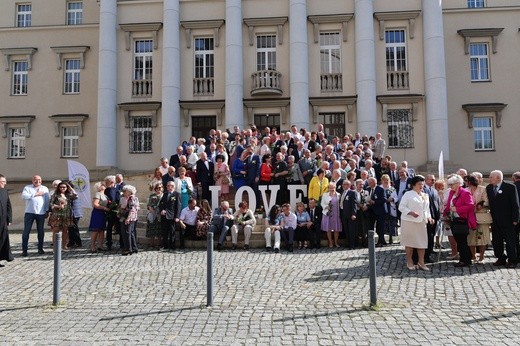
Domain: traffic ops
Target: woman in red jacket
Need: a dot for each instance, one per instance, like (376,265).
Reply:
(460,210)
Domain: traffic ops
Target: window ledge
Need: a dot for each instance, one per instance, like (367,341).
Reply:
(412,99)
(24,120)
(202,24)
(484,32)
(140,106)
(382,17)
(80,50)
(269,21)
(330,18)
(75,119)
(9,52)
(134,27)
(472,108)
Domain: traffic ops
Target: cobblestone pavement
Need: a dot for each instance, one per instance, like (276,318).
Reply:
(309,297)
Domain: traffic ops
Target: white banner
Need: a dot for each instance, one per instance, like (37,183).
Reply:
(441,166)
(79,175)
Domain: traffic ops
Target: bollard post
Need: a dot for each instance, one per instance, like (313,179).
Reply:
(372,267)
(210,270)
(57,270)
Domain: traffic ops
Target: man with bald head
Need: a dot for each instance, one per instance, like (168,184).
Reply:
(36,198)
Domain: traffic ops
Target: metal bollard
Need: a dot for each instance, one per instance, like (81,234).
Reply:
(372,267)
(210,270)
(57,270)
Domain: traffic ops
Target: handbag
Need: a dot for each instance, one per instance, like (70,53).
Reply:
(459,226)
(150,217)
(225,180)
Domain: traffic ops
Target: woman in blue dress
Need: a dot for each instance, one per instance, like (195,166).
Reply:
(184,186)
(239,170)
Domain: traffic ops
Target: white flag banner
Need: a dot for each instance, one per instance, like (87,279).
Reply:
(79,175)
(441,166)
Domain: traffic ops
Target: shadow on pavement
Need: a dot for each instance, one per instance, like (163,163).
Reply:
(303,317)
(160,312)
(492,317)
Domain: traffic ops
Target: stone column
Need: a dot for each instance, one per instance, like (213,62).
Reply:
(436,99)
(171,80)
(106,146)
(365,67)
(299,63)
(234,114)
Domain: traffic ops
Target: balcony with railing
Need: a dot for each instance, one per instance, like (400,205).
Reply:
(266,82)
(331,82)
(142,88)
(397,80)
(203,86)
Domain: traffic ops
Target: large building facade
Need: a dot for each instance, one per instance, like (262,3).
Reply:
(116,84)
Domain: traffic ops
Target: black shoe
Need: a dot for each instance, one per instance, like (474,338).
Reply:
(246,247)
(219,247)
(277,250)
(500,262)
(40,252)
(267,249)
(511,265)
(125,253)
(429,260)
(24,254)
(461,264)
(2,265)
(291,249)
(234,247)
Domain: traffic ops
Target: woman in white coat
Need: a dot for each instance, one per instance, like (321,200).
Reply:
(415,213)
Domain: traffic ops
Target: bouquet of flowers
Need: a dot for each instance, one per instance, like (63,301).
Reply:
(329,211)
(243,218)
(388,192)
(112,209)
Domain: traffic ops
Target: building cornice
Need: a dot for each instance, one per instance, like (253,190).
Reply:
(347,101)
(327,19)
(481,32)
(130,28)
(472,108)
(9,52)
(412,99)
(128,107)
(268,21)
(383,17)
(8,120)
(68,50)
(76,119)
(187,106)
(202,24)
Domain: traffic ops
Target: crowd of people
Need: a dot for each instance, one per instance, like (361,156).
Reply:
(352,187)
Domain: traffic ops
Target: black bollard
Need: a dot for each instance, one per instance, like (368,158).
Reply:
(57,270)
(210,270)
(372,267)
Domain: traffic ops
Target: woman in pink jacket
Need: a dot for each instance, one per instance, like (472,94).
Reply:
(460,210)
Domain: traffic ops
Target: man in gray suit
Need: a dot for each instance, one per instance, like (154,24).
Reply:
(307,166)
(221,222)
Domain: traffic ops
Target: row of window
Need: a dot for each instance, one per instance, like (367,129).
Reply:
(399,125)
(20,77)
(24,14)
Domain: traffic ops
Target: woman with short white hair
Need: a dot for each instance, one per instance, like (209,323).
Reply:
(128,208)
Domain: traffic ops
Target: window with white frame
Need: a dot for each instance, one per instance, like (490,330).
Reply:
(476,3)
(483,133)
(20,77)
(395,40)
(333,123)
(72,76)
(266,52)
(330,52)
(17,143)
(74,12)
(140,134)
(400,128)
(23,15)
(69,141)
(204,57)
(479,61)
(143,59)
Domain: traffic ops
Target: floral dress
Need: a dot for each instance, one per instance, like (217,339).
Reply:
(61,218)
(204,217)
(153,229)
(222,171)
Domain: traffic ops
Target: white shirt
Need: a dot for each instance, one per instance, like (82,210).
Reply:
(35,204)
(189,216)
(289,221)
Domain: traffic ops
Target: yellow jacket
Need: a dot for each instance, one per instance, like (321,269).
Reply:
(315,190)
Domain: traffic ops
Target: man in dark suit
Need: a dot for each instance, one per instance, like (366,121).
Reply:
(170,209)
(377,205)
(174,159)
(516,181)
(113,225)
(435,213)
(348,210)
(205,170)
(503,204)
(6,216)
(316,214)
(253,163)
